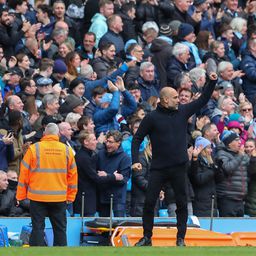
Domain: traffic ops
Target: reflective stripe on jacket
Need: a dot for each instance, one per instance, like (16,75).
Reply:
(48,172)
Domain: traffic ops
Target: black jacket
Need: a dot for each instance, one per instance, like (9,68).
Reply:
(204,177)
(167,130)
(139,186)
(88,180)
(9,37)
(162,52)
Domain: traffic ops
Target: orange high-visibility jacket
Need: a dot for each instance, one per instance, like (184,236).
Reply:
(48,172)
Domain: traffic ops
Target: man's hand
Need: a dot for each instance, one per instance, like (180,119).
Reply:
(102,174)
(112,87)
(213,76)
(118,176)
(137,167)
(26,26)
(120,84)
(69,202)
(8,139)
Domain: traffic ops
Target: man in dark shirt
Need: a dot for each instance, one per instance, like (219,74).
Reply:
(167,128)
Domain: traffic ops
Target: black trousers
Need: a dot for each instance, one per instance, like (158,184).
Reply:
(177,176)
(230,208)
(104,211)
(56,211)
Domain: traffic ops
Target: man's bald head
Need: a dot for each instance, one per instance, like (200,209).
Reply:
(169,98)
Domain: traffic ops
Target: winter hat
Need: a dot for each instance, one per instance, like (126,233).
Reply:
(165,30)
(72,101)
(198,2)
(184,30)
(236,117)
(74,83)
(59,67)
(128,43)
(228,136)
(43,81)
(107,97)
(15,71)
(201,141)
(234,124)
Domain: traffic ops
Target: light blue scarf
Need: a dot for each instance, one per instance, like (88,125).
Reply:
(194,51)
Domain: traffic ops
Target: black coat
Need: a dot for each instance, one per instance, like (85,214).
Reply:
(128,28)
(139,186)
(204,177)
(88,180)
(162,52)
(167,130)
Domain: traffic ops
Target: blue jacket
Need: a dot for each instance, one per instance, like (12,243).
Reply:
(99,26)
(104,118)
(109,163)
(148,88)
(6,154)
(91,84)
(174,68)
(248,65)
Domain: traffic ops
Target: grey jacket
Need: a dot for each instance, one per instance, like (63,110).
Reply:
(234,166)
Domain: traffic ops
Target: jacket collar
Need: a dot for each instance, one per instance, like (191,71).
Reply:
(50,138)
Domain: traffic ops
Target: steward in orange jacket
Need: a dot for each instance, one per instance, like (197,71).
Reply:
(48,177)
(48,172)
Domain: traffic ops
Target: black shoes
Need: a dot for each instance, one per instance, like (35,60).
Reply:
(180,242)
(144,241)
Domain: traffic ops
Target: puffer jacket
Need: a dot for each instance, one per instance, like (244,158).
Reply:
(250,203)
(234,166)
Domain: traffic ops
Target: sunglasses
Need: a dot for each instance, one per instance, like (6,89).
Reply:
(246,109)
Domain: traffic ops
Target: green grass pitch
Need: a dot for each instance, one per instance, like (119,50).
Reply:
(129,251)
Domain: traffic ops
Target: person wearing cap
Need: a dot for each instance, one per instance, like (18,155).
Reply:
(203,175)
(12,85)
(236,127)
(187,36)
(105,116)
(74,104)
(231,191)
(44,87)
(58,73)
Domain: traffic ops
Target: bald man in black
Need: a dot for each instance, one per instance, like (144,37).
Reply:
(167,130)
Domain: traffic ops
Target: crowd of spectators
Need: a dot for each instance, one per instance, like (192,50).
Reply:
(96,68)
